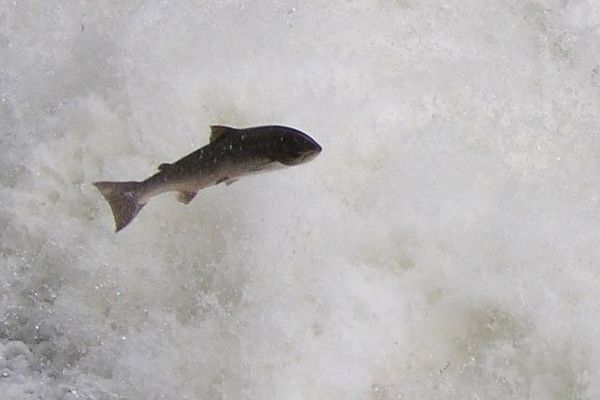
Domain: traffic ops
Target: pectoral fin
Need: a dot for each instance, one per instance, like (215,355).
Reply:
(186,197)
(230,181)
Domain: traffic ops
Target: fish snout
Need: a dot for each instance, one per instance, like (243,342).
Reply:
(317,148)
(313,152)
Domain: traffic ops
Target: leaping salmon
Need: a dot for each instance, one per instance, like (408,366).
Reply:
(230,154)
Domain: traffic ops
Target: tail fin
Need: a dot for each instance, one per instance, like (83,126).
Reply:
(123,200)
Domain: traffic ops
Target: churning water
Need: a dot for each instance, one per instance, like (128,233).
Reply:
(444,245)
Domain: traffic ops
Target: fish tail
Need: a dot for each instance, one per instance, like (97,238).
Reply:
(123,198)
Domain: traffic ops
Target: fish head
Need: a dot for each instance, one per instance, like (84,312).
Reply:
(296,148)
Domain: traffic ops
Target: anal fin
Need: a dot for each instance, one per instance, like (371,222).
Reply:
(185,197)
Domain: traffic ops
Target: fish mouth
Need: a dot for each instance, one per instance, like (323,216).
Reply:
(310,154)
(317,148)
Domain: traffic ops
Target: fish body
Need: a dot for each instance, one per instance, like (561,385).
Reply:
(231,154)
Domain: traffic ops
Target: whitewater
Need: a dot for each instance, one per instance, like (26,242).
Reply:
(444,244)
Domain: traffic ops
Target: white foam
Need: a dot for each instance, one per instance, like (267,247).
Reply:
(443,245)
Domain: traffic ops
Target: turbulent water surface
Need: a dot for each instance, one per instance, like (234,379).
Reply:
(444,245)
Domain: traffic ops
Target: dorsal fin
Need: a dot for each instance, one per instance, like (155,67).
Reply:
(216,131)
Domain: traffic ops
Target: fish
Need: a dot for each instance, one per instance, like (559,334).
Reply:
(230,154)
